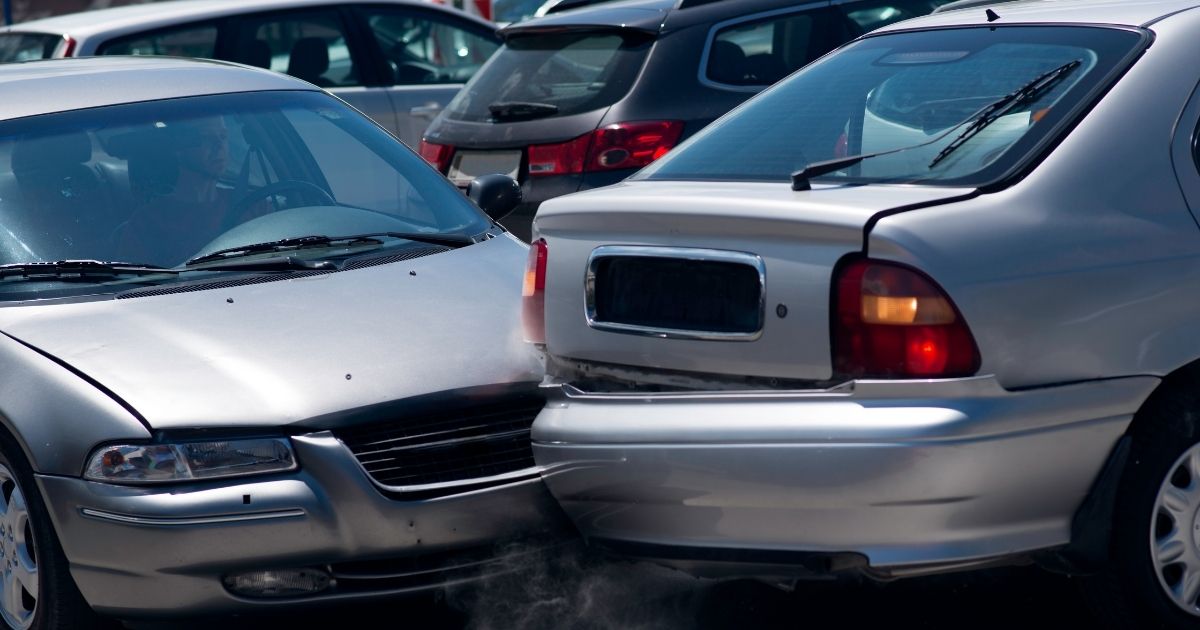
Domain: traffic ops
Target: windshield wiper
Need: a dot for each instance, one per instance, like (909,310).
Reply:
(520,110)
(980,119)
(302,242)
(79,270)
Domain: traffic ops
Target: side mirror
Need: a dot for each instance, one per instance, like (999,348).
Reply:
(497,195)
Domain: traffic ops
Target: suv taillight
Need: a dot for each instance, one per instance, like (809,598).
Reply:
(893,321)
(613,147)
(533,293)
(436,154)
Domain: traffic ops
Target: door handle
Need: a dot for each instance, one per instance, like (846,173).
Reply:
(426,111)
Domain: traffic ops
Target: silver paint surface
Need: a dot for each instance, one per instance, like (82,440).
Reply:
(1078,282)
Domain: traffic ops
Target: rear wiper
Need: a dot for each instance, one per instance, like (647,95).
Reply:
(86,270)
(980,119)
(1027,93)
(302,242)
(521,110)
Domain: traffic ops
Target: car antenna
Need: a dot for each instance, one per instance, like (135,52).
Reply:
(992,16)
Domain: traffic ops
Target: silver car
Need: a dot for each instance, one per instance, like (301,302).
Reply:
(397,61)
(256,352)
(929,304)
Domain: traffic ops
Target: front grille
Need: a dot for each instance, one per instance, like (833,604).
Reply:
(451,445)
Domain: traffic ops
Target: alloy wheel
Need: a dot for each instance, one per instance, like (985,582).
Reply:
(19,582)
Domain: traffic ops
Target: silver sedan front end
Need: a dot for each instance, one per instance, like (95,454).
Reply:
(324,532)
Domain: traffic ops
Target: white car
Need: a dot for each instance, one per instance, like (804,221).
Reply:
(398,61)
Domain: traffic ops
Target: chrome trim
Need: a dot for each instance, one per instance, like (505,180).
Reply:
(702,75)
(533,472)
(153,521)
(687,253)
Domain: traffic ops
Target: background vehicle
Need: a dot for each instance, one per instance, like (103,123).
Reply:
(926,305)
(398,62)
(584,98)
(301,379)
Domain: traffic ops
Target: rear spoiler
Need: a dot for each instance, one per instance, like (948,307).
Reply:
(598,19)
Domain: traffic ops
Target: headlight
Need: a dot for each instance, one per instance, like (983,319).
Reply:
(184,461)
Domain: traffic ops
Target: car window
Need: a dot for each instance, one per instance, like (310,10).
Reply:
(913,92)
(165,181)
(196,40)
(870,15)
(421,48)
(357,175)
(569,72)
(761,52)
(27,46)
(310,46)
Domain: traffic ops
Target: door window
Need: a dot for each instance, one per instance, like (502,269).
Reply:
(421,48)
(868,16)
(194,40)
(761,52)
(309,46)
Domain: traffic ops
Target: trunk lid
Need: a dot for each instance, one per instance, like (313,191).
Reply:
(723,278)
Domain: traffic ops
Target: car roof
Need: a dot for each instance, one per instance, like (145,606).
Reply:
(646,15)
(1120,12)
(60,85)
(156,14)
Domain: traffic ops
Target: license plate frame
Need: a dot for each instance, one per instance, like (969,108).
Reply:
(468,165)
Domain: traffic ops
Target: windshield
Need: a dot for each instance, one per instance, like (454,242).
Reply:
(163,182)
(27,46)
(564,73)
(901,90)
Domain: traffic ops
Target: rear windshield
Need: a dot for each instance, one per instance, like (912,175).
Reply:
(916,91)
(559,75)
(27,46)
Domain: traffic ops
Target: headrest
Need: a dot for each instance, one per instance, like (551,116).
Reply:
(309,58)
(51,152)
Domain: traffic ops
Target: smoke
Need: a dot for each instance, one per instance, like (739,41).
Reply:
(572,587)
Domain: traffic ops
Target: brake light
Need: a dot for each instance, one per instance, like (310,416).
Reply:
(613,147)
(895,322)
(67,46)
(436,154)
(533,293)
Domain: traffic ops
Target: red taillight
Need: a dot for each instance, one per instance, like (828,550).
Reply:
(67,46)
(613,147)
(533,293)
(894,322)
(436,154)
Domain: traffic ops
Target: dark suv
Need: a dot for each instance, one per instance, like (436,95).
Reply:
(585,98)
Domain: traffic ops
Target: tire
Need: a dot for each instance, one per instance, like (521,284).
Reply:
(1132,591)
(56,602)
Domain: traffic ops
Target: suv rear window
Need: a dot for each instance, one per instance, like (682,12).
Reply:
(914,94)
(570,72)
(27,46)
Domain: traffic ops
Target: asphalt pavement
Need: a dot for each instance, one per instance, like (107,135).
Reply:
(582,593)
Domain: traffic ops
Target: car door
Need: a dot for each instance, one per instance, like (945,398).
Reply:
(316,45)
(425,56)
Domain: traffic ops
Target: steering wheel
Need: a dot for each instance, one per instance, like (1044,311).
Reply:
(241,205)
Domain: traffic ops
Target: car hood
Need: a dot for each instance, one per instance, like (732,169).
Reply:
(282,352)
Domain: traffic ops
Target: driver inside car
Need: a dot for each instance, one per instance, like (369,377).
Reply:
(184,204)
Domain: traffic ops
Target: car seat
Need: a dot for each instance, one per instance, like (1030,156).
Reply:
(727,63)
(309,60)
(64,202)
